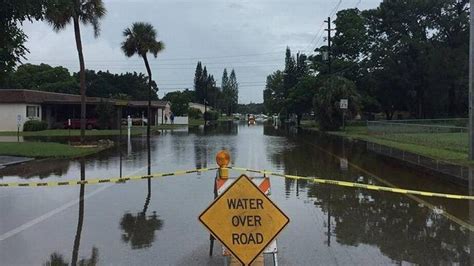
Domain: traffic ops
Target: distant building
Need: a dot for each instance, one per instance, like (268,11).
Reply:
(199,106)
(56,108)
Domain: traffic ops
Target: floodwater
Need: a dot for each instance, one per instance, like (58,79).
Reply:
(155,223)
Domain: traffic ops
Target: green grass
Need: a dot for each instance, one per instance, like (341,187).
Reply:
(225,118)
(443,146)
(196,122)
(136,130)
(44,150)
(457,142)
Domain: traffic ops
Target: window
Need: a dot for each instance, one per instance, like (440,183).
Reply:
(32,111)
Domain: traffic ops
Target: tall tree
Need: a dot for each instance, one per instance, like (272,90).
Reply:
(60,13)
(204,81)
(225,79)
(234,91)
(42,77)
(180,101)
(140,39)
(226,93)
(198,89)
(12,38)
(274,95)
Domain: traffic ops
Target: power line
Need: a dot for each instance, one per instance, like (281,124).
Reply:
(334,11)
(159,62)
(320,32)
(315,36)
(169,59)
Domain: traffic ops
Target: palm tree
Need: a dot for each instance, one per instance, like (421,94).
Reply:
(140,39)
(59,14)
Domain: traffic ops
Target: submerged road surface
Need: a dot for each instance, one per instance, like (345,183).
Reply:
(155,223)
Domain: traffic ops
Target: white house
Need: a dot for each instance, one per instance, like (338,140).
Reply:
(200,107)
(56,108)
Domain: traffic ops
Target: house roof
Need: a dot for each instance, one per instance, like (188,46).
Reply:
(44,97)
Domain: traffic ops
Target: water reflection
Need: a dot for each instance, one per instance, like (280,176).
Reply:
(80,219)
(403,228)
(228,128)
(397,225)
(57,259)
(140,229)
(37,168)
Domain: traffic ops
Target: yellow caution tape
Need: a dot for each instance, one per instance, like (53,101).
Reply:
(358,185)
(74,182)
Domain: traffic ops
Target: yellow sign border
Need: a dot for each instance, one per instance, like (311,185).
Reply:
(271,202)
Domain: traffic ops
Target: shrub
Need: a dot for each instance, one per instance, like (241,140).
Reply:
(105,112)
(35,125)
(194,113)
(211,115)
(326,102)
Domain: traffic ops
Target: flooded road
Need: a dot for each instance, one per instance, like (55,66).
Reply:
(155,223)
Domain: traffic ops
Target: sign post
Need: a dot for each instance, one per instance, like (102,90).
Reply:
(244,220)
(69,127)
(129,125)
(129,144)
(18,125)
(343,104)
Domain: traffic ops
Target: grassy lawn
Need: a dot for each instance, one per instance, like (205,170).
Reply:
(225,118)
(76,132)
(443,146)
(44,150)
(196,122)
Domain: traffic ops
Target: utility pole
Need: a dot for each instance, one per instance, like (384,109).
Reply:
(471,85)
(329,43)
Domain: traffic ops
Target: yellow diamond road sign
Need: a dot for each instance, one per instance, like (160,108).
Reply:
(244,220)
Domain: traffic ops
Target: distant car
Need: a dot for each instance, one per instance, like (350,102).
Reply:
(91,123)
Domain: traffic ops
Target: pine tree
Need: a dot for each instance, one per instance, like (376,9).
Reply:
(204,87)
(198,89)
(226,93)
(234,88)
(225,80)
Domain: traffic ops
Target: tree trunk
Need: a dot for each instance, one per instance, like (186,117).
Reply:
(148,114)
(80,218)
(82,77)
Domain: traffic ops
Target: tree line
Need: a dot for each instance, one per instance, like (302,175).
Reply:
(101,84)
(404,57)
(224,98)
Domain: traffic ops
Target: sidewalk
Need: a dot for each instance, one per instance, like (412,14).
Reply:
(10,160)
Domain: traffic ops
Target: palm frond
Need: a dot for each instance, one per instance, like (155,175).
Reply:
(90,12)
(129,47)
(59,13)
(141,36)
(156,48)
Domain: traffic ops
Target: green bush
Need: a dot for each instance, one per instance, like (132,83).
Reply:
(326,102)
(35,125)
(194,113)
(105,111)
(211,115)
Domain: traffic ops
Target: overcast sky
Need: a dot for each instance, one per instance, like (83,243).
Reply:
(249,36)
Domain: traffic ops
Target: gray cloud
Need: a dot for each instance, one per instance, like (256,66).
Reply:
(249,36)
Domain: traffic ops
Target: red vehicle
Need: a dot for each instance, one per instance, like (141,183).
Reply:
(91,123)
